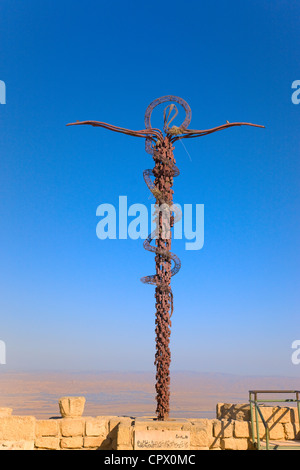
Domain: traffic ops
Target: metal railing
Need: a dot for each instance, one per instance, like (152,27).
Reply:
(256,412)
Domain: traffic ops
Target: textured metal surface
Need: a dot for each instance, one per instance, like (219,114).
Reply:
(163,172)
(165,99)
(160,182)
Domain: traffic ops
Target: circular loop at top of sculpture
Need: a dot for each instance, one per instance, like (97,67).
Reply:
(164,99)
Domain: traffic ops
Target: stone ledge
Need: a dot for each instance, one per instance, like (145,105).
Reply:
(117,432)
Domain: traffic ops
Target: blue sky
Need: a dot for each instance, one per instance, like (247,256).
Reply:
(71,301)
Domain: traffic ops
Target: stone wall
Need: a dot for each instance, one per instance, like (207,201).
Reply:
(230,430)
(283,422)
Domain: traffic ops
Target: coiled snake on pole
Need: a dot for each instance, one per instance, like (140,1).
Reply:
(165,208)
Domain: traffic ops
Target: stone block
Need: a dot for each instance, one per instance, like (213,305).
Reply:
(71,407)
(113,423)
(262,430)
(204,422)
(294,415)
(186,427)
(234,444)
(96,426)
(106,444)
(140,425)
(112,426)
(283,415)
(214,443)
(114,444)
(95,442)
(17,445)
(17,428)
(267,413)
(228,411)
(219,410)
(277,431)
(291,431)
(242,429)
(222,428)
(72,427)
(47,427)
(124,435)
(199,436)
(71,442)
(47,442)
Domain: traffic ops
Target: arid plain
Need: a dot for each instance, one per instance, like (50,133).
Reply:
(193,395)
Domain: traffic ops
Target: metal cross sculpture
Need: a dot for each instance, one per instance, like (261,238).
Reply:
(160,145)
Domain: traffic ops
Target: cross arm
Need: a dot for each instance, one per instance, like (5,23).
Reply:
(181,133)
(150,133)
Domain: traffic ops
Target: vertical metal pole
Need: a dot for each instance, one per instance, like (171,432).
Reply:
(252,418)
(164,159)
(298,407)
(257,421)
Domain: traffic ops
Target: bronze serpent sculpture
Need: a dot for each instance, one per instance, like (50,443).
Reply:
(160,146)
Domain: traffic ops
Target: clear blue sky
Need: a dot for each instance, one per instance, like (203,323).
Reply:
(71,301)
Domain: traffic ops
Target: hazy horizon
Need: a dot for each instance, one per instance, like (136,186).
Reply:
(193,394)
(4,369)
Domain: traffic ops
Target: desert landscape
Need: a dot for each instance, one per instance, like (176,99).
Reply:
(193,394)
